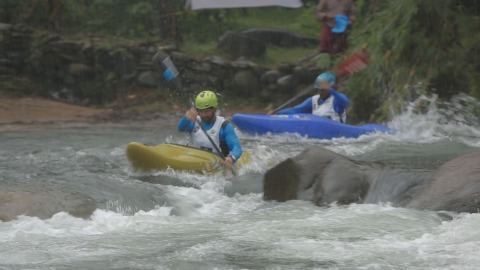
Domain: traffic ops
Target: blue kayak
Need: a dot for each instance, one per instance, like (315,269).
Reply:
(306,125)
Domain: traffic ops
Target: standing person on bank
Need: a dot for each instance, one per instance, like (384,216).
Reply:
(327,103)
(220,130)
(336,17)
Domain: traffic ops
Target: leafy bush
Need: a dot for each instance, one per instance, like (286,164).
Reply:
(429,44)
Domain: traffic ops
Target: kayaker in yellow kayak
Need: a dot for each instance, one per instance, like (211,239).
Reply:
(214,130)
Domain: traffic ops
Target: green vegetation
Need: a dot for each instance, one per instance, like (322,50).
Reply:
(275,55)
(18,85)
(127,21)
(199,49)
(200,39)
(415,45)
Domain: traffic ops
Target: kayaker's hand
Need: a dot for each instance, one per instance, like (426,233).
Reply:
(270,112)
(191,114)
(228,162)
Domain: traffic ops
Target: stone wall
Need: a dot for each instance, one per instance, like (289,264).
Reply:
(85,71)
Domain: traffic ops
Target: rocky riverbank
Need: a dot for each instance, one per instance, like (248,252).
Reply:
(91,70)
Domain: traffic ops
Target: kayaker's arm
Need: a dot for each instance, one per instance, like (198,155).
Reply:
(185,125)
(229,135)
(341,101)
(304,107)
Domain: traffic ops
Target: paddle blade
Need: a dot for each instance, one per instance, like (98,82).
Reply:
(353,64)
(164,64)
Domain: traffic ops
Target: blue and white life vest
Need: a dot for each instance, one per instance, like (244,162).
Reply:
(200,140)
(326,109)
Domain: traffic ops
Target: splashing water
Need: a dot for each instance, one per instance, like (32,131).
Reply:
(178,220)
(438,120)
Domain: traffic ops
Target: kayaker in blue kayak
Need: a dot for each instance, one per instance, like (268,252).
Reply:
(218,128)
(327,103)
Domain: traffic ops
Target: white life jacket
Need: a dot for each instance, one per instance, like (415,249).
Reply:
(326,109)
(198,138)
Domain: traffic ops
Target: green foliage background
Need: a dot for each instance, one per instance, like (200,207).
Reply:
(415,45)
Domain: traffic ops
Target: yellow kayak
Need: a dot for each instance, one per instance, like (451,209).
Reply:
(178,157)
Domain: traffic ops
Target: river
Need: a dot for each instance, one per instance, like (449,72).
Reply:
(174,220)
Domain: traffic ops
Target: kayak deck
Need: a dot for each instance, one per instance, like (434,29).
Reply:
(177,157)
(307,125)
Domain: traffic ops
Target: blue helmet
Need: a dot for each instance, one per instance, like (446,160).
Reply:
(326,76)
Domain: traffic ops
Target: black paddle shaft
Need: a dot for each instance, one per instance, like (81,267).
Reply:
(302,93)
(162,61)
(219,151)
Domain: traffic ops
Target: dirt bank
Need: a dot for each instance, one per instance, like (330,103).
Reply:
(37,110)
(20,113)
(29,112)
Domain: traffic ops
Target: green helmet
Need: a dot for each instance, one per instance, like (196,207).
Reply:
(326,76)
(206,99)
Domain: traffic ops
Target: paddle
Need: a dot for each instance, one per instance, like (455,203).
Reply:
(356,62)
(162,61)
(302,93)
(219,151)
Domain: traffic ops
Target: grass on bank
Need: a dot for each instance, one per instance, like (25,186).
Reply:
(202,40)
(300,20)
